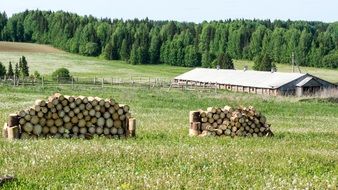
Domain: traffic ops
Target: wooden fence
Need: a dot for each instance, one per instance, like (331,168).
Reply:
(133,81)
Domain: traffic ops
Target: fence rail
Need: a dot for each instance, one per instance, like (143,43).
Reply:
(133,81)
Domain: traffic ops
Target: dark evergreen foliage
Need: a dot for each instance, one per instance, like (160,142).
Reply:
(176,43)
(10,72)
(2,70)
(224,61)
(264,63)
(23,67)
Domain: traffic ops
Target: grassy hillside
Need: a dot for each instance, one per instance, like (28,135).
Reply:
(81,66)
(303,153)
(27,47)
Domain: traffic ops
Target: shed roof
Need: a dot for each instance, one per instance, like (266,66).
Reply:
(258,79)
(308,81)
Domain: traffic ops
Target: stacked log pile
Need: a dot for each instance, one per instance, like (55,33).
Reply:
(242,121)
(71,117)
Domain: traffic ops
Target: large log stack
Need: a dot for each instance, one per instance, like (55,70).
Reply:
(71,117)
(227,121)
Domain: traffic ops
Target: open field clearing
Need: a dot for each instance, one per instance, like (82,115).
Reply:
(27,48)
(81,66)
(303,153)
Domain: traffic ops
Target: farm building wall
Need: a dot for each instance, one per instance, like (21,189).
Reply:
(291,88)
(286,89)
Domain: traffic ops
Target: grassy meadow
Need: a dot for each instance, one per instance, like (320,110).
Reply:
(45,60)
(303,154)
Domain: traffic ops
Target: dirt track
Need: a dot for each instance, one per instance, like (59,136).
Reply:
(27,47)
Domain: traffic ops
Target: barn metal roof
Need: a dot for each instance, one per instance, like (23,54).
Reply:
(258,79)
(304,81)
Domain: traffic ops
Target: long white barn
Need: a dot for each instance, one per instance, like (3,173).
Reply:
(273,83)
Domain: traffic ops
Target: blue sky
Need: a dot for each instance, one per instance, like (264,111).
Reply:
(187,10)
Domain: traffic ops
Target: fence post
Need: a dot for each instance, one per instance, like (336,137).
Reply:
(14,80)
(72,82)
(102,82)
(42,82)
(131,81)
(149,83)
(94,80)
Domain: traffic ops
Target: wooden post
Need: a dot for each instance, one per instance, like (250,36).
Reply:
(13,133)
(194,116)
(4,131)
(14,80)
(195,129)
(13,120)
(131,127)
(102,82)
(149,83)
(72,82)
(112,81)
(42,82)
(94,80)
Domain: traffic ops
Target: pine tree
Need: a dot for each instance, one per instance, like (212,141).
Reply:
(224,61)
(124,50)
(206,59)
(263,63)
(2,70)
(154,50)
(24,67)
(107,51)
(16,70)
(134,59)
(256,41)
(10,72)
(191,57)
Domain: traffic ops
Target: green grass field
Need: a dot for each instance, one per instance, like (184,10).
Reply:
(81,66)
(303,154)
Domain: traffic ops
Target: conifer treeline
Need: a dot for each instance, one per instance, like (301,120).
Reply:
(177,43)
(21,69)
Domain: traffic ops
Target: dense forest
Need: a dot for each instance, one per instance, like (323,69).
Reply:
(177,43)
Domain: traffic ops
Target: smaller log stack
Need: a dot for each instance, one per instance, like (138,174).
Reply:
(71,117)
(227,121)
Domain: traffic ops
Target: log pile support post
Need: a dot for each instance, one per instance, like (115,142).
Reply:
(131,127)
(195,123)
(12,131)
(42,82)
